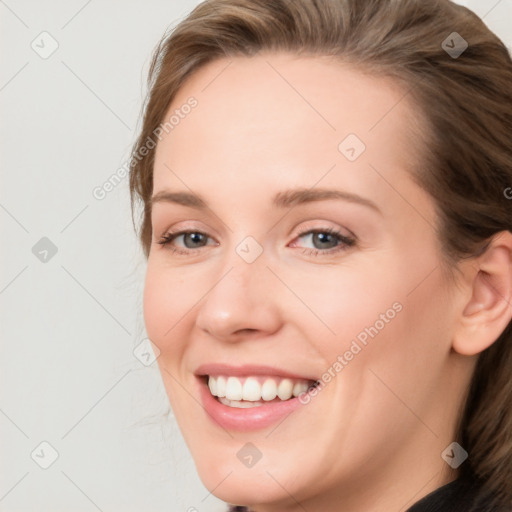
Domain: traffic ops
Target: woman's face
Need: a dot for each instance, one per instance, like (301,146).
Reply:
(311,256)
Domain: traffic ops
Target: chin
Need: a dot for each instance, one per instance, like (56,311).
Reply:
(287,472)
(245,486)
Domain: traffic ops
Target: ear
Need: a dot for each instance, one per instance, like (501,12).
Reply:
(489,310)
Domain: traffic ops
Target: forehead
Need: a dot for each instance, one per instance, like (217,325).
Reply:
(287,120)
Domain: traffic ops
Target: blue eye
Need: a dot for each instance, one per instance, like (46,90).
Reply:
(325,241)
(194,237)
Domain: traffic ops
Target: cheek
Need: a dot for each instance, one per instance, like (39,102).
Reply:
(392,317)
(165,302)
(403,359)
(340,304)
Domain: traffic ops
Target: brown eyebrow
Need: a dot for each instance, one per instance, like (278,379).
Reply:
(183,198)
(285,199)
(293,197)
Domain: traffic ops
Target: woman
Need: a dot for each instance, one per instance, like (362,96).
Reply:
(327,225)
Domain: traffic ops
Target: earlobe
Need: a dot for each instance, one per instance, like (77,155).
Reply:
(487,314)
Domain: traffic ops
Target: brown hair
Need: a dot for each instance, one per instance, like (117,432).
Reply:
(466,166)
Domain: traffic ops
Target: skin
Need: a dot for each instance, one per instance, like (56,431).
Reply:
(372,438)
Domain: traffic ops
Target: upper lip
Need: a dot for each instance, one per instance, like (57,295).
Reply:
(248,370)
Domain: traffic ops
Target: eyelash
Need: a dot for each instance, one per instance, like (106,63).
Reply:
(345,242)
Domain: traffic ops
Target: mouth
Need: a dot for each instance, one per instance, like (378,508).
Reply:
(255,390)
(250,398)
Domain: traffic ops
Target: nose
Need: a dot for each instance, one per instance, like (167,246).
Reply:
(241,302)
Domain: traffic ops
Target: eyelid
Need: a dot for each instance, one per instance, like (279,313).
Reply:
(189,227)
(324,226)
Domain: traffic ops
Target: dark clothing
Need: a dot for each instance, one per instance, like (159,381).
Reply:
(461,495)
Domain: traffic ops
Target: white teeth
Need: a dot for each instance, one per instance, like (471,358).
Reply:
(238,404)
(269,390)
(299,388)
(212,384)
(233,389)
(220,385)
(241,392)
(251,390)
(285,389)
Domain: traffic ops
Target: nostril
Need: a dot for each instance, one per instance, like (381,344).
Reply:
(246,331)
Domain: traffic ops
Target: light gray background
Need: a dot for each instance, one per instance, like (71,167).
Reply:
(69,325)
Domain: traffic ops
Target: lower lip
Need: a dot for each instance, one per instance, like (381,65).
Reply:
(253,418)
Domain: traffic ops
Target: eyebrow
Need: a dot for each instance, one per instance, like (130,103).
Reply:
(285,199)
